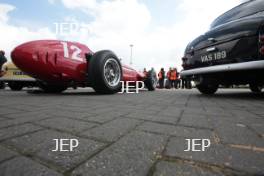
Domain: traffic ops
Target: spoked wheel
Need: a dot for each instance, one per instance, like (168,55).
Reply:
(112,72)
(105,72)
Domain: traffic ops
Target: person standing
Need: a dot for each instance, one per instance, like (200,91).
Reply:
(186,83)
(161,76)
(145,72)
(183,82)
(154,74)
(168,82)
(173,78)
(2,61)
(178,81)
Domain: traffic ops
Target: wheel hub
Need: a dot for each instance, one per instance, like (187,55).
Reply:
(112,72)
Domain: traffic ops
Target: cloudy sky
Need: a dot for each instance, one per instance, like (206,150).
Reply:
(158,29)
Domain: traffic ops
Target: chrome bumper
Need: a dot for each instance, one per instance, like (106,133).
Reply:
(225,68)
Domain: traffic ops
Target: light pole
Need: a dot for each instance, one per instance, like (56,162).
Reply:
(131,53)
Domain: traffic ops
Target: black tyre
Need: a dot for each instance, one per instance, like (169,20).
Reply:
(207,89)
(2,85)
(255,88)
(151,81)
(15,86)
(105,72)
(52,88)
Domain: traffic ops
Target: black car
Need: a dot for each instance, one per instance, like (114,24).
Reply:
(231,52)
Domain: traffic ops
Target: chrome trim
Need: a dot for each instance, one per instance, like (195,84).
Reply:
(225,68)
(211,39)
(211,49)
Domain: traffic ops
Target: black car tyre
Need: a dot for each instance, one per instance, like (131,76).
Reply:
(15,86)
(2,85)
(51,88)
(255,88)
(207,89)
(105,72)
(151,81)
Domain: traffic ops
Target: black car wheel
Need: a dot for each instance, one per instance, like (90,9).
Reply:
(255,88)
(105,72)
(151,81)
(207,88)
(51,88)
(15,86)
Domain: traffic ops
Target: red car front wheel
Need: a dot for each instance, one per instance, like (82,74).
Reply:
(105,72)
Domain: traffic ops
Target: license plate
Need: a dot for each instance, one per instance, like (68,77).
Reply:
(214,56)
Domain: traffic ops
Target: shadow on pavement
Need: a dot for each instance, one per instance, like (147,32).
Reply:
(75,92)
(236,95)
(40,92)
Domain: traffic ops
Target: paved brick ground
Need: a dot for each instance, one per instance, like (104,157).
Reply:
(132,134)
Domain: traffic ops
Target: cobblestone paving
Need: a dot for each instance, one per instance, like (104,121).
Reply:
(132,134)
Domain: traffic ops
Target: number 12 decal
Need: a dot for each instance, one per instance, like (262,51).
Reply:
(76,52)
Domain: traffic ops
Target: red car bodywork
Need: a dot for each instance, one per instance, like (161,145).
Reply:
(60,62)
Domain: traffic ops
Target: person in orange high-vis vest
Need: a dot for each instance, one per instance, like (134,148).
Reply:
(173,78)
(161,76)
(168,74)
(168,82)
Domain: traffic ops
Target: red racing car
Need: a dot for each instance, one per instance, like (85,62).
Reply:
(62,64)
